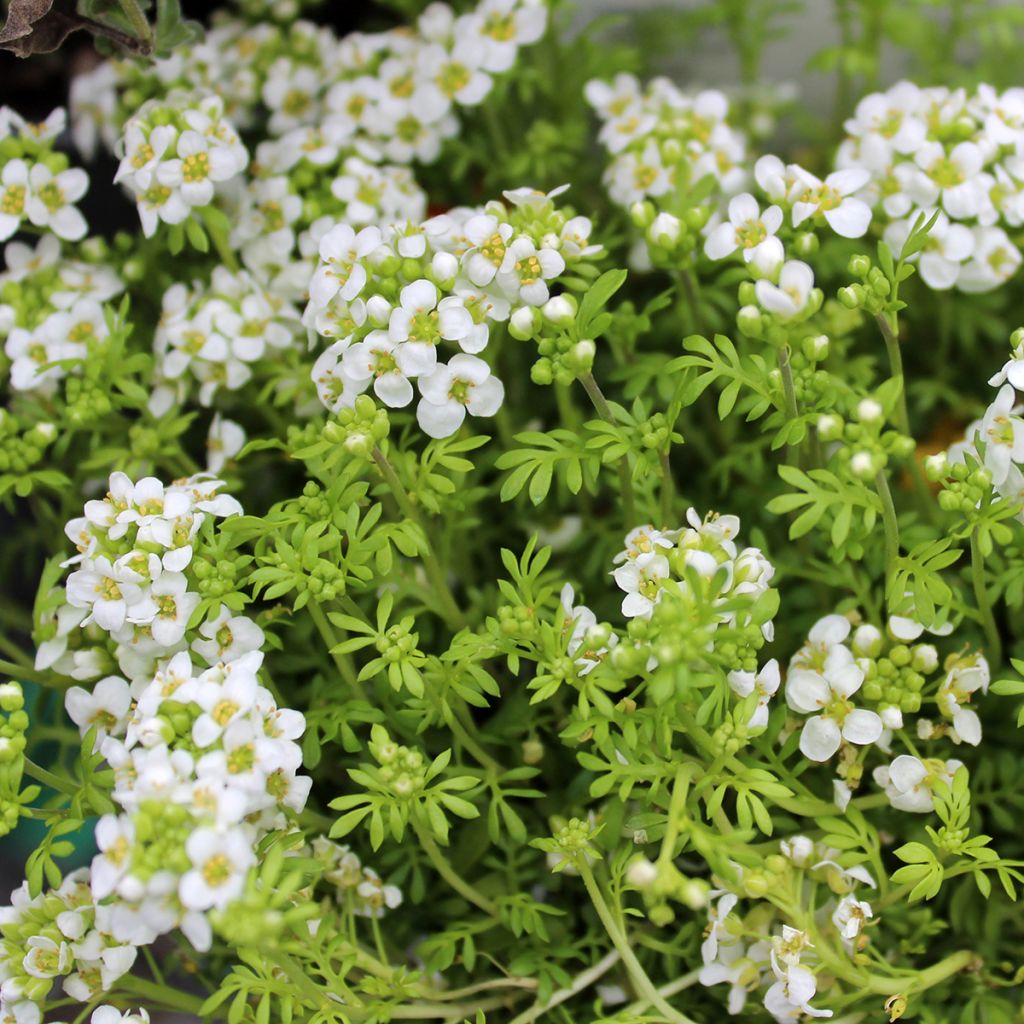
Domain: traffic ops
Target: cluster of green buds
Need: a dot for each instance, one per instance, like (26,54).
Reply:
(871,290)
(403,770)
(672,236)
(895,670)
(12,757)
(965,485)
(21,451)
(865,446)
(571,844)
(357,431)
(563,356)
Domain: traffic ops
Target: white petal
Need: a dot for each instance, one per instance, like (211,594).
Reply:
(820,739)
(862,727)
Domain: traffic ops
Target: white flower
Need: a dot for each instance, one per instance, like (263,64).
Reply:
(115,838)
(850,916)
(951,178)
(791,295)
(947,247)
(224,441)
(765,683)
(1003,434)
(375,896)
(747,229)
(200,164)
(336,388)
(826,694)
(227,637)
(111,1015)
(220,861)
(525,271)
(46,958)
(964,678)
(106,707)
(14,180)
(641,578)
(789,998)
(52,198)
(107,592)
(342,271)
(995,260)
(466,384)
(420,322)
(908,781)
(384,362)
(716,932)
(738,967)
(833,199)
(489,238)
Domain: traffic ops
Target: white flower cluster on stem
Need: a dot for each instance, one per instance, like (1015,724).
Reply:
(950,151)
(463,271)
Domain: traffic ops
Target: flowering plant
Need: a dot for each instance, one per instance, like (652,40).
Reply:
(428,333)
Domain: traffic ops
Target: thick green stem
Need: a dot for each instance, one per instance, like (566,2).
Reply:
(889,524)
(452,877)
(435,571)
(341,660)
(988,622)
(167,997)
(604,410)
(643,984)
(892,347)
(47,778)
(23,674)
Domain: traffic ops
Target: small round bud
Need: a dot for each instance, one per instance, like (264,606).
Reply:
(816,348)
(830,427)
(559,310)
(444,266)
(862,465)
(749,321)
(867,641)
(524,323)
(641,873)
(859,265)
(664,230)
(870,411)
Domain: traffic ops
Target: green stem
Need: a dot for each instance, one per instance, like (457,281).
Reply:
(891,527)
(47,778)
(452,877)
(988,622)
(24,673)
(789,396)
(220,243)
(434,570)
(604,410)
(165,995)
(583,980)
(668,489)
(341,660)
(138,21)
(643,984)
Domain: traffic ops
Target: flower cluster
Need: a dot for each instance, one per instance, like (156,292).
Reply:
(355,884)
(37,186)
(393,297)
(707,546)
(762,949)
(991,455)
(177,152)
(51,313)
(952,152)
(60,934)
(840,667)
(213,335)
(660,139)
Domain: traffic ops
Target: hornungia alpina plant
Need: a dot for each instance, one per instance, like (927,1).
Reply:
(511,536)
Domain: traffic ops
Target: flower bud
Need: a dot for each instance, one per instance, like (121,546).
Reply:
(925,658)
(851,296)
(444,266)
(935,465)
(815,348)
(378,310)
(830,427)
(664,230)
(559,310)
(862,465)
(867,641)
(642,214)
(859,265)
(641,873)
(748,319)
(524,323)
(806,243)
(870,411)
